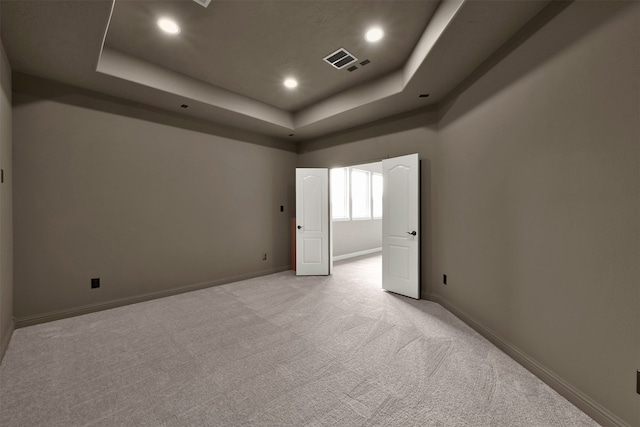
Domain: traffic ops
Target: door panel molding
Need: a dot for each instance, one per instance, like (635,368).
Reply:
(401,225)
(312,222)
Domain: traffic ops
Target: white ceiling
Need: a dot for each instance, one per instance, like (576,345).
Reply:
(230,59)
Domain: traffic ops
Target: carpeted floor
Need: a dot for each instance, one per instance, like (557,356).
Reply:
(279,350)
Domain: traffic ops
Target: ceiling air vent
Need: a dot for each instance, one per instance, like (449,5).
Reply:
(340,59)
(203,3)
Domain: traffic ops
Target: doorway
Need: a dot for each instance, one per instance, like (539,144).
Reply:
(362,195)
(356,210)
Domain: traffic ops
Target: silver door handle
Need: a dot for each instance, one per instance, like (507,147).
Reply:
(413,233)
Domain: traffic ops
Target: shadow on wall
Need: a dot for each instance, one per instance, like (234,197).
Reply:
(443,113)
(448,110)
(70,95)
(423,117)
(426,230)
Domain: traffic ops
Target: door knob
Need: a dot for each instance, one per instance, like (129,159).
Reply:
(299,227)
(413,233)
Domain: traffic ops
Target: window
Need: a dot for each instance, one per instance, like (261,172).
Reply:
(355,194)
(360,194)
(376,194)
(340,193)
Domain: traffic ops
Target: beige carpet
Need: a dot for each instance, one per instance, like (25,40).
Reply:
(279,350)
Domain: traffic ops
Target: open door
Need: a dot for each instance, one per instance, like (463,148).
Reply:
(400,225)
(312,222)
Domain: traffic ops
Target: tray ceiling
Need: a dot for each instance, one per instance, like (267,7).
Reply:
(249,47)
(230,59)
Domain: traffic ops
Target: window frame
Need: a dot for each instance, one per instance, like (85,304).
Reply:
(347,194)
(367,197)
(347,184)
(373,174)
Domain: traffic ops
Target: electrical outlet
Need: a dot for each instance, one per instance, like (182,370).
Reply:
(95,283)
(264,256)
(444,279)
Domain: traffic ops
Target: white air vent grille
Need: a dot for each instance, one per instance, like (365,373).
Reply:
(203,3)
(340,59)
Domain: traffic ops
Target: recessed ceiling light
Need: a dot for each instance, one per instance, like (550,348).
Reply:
(291,83)
(374,34)
(168,26)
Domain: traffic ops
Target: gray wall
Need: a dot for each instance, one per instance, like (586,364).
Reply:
(6,208)
(148,202)
(540,207)
(534,184)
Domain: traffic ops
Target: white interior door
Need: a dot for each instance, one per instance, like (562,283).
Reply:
(312,221)
(400,225)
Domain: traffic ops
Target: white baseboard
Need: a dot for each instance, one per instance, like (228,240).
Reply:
(21,322)
(568,391)
(355,254)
